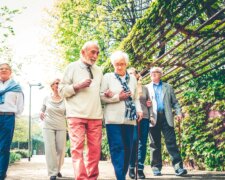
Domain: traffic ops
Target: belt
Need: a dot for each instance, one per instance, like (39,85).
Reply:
(6,113)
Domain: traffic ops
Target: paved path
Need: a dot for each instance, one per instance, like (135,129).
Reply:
(36,170)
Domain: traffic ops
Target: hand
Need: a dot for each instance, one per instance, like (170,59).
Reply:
(124,95)
(152,121)
(179,117)
(108,93)
(148,103)
(42,116)
(140,116)
(84,84)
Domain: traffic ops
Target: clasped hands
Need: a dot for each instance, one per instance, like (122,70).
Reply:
(123,95)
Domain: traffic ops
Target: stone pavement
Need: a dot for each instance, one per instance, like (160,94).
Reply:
(36,170)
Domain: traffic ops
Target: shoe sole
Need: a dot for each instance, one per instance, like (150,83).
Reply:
(181,174)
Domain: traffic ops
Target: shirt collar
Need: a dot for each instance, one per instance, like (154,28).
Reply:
(83,65)
(5,82)
(158,84)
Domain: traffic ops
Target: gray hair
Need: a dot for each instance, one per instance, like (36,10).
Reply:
(7,65)
(119,54)
(156,69)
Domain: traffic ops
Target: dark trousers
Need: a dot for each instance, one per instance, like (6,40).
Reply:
(7,124)
(143,137)
(120,139)
(170,141)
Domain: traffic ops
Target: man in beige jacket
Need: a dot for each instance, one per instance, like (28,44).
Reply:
(81,89)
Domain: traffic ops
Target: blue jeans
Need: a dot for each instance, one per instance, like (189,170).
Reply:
(120,138)
(7,124)
(143,136)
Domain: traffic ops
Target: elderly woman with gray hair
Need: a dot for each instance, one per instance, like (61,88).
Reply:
(54,130)
(121,110)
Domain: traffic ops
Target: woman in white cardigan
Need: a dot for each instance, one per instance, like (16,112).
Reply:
(121,110)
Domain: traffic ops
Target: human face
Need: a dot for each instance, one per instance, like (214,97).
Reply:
(135,73)
(90,55)
(55,85)
(120,66)
(5,72)
(155,76)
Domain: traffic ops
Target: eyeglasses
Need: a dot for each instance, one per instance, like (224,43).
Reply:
(90,72)
(154,72)
(120,64)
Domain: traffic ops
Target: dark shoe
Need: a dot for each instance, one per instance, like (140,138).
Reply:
(180,172)
(131,173)
(141,174)
(156,172)
(59,175)
(53,178)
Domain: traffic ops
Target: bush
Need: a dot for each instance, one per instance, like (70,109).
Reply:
(14,157)
(105,155)
(22,152)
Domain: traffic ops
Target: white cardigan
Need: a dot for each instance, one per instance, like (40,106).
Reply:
(114,109)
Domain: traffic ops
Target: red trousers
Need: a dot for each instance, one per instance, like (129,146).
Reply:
(78,128)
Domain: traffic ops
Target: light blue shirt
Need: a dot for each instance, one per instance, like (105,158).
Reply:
(159,96)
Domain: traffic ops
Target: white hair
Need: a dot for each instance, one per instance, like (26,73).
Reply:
(156,69)
(90,43)
(87,45)
(119,54)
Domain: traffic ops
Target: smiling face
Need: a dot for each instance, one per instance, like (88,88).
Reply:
(5,72)
(90,54)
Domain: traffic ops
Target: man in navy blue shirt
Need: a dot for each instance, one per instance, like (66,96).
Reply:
(163,101)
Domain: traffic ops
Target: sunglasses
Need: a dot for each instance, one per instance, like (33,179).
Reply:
(56,83)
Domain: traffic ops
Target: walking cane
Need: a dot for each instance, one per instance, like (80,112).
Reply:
(137,143)
(179,135)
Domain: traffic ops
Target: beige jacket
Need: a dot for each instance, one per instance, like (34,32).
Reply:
(86,102)
(114,109)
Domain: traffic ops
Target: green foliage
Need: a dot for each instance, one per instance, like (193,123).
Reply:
(6,30)
(203,137)
(21,130)
(22,152)
(108,22)
(14,157)
(105,147)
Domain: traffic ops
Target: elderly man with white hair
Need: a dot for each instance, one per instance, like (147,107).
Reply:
(163,101)
(81,89)
(121,110)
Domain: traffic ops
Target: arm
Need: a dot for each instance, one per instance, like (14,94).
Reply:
(137,102)
(175,104)
(20,103)
(66,86)
(43,109)
(105,88)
